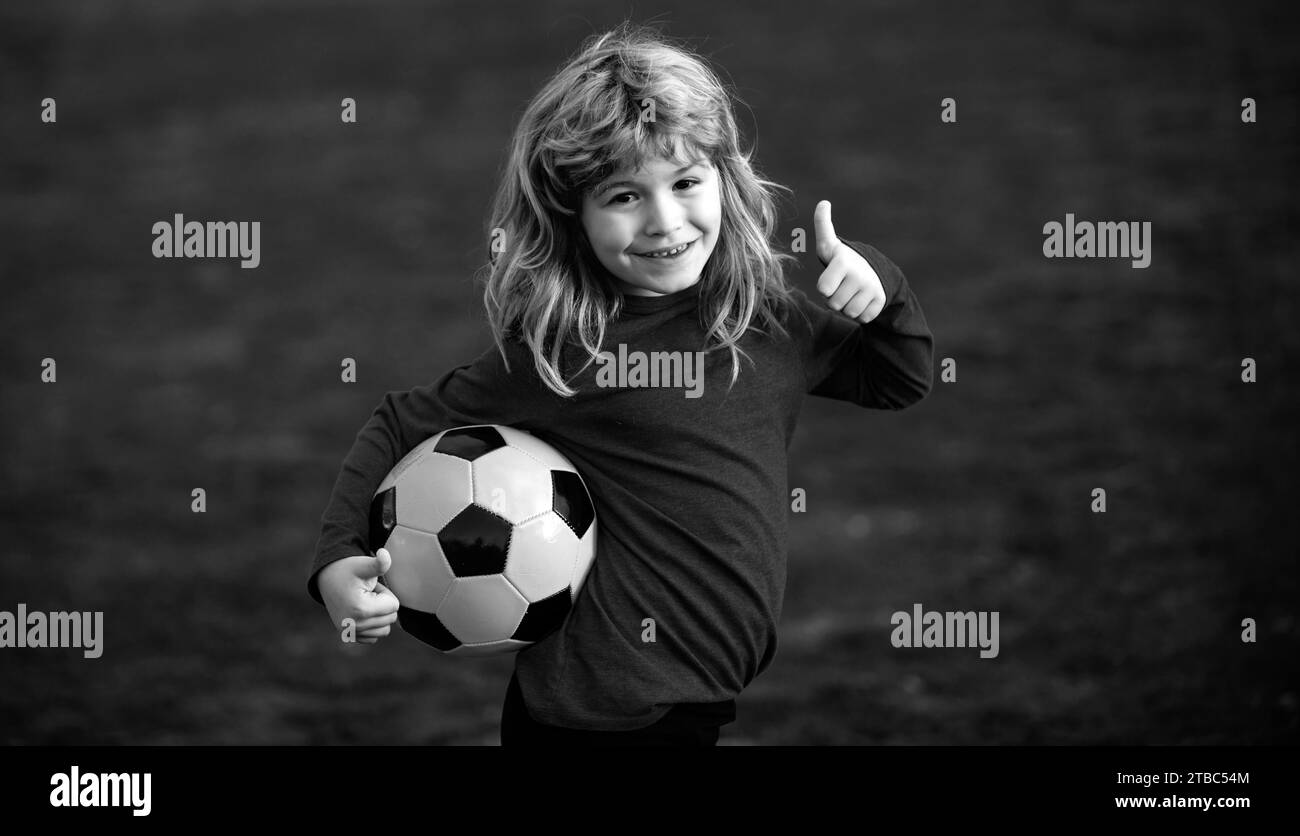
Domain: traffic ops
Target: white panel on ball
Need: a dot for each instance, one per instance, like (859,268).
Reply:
(511,484)
(536,448)
(408,461)
(485,608)
(430,496)
(419,569)
(540,560)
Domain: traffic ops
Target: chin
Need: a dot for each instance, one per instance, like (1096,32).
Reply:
(662,287)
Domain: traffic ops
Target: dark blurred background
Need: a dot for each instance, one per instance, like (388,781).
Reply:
(1121,627)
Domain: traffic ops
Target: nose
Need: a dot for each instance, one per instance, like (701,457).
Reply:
(664,216)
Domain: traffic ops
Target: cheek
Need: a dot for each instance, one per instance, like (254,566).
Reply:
(606,234)
(713,212)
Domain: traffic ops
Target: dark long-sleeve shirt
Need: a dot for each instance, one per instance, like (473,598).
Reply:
(691,493)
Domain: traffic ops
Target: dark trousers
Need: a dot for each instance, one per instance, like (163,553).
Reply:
(687,724)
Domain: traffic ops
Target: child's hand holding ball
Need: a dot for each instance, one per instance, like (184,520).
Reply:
(351,589)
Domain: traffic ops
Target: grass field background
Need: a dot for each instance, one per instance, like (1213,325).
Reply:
(1121,627)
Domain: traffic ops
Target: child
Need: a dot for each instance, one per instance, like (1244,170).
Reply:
(631,221)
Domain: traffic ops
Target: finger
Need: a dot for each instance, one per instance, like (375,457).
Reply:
(377,633)
(858,305)
(829,281)
(377,621)
(385,594)
(378,565)
(377,607)
(846,291)
(824,232)
(379,603)
(873,310)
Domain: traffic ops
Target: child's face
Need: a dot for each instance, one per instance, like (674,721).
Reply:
(663,205)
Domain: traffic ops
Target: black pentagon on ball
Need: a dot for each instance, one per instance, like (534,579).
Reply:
(469,443)
(383,517)
(571,501)
(426,627)
(475,543)
(543,617)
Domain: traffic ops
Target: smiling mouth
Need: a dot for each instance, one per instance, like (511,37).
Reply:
(667,252)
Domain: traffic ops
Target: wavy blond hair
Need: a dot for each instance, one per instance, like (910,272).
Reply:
(545,286)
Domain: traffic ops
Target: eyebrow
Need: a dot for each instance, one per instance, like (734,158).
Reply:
(604,187)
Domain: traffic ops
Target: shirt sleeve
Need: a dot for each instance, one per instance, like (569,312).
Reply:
(884,364)
(481,392)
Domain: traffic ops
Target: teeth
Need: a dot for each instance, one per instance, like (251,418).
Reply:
(667,253)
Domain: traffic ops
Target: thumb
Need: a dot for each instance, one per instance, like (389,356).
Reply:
(380,565)
(824,232)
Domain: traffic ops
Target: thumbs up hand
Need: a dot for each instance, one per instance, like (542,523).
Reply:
(351,589)
(849,282)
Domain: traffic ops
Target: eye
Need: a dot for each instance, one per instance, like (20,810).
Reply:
(690,182)
(618,198)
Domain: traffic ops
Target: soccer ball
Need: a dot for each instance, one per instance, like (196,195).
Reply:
(492,533)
